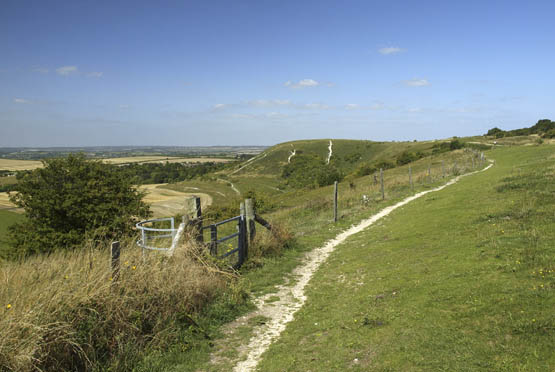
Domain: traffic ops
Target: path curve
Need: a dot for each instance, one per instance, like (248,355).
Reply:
(232,186)
(292,297)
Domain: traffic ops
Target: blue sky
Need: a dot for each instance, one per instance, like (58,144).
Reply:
(262,72)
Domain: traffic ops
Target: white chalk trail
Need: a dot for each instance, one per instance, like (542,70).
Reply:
(292,298)
(290,156)
(329,152)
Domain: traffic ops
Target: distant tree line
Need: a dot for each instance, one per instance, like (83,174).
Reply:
(545,128)
(149,173)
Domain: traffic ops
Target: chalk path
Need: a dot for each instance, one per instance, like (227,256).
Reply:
(292,297)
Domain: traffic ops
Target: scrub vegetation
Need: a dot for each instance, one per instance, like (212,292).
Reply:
(461,279)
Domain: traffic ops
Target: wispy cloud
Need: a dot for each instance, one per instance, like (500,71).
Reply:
(352,106)
(390,50)
(417,82)
(220,106)
(304,83)
(21,101)
(95,74)
(41,70)
(315,106)
(67,70)
(269,103)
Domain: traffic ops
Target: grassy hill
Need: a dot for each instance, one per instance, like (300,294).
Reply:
(347,154)
(469,269)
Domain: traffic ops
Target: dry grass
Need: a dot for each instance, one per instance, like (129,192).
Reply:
(165,202)
(19,165)
(5,203)
(64,312)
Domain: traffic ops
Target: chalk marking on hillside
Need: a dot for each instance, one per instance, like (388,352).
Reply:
(292,298)
(249,162)
(330,152)
(291,155)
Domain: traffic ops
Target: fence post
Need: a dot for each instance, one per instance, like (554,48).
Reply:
(195,209)
(243,240)
(114,260)
(213,240)
(473,164)
(381,182)
(249,214)
(443,168)
(429,172)
(410,178)
(335,201)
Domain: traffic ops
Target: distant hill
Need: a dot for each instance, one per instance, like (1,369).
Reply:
(544,128)
(305,162)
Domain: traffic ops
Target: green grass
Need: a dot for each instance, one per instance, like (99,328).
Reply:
(308,214)
(8,180)
(6,219)
(462,279)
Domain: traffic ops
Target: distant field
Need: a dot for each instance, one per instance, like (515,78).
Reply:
(9,180)
(5,201)
(19,165)
(166,203)
(162,159)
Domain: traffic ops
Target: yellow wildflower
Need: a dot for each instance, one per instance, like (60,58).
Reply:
(8,306)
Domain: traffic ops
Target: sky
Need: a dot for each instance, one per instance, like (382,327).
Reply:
(197,73)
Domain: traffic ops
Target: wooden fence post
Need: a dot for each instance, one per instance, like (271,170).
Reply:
(249,214)
(429,172)
(443,168)
(381,182)
(335,201)
(410,178)
(194,208)
(213,240)
(114,260)
(243,238)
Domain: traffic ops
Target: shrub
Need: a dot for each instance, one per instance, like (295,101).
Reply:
(71,200)
(310,171)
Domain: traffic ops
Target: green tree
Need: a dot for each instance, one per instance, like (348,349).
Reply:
(71,200)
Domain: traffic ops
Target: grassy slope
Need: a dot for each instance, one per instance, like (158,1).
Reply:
(462,279)
(7,219)
(308,214)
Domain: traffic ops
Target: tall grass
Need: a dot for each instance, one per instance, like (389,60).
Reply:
(65,312)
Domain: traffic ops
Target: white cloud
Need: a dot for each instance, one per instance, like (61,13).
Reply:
(390,50)
(304,83)
(417,82)
(67,70)
(21,101)
(315,106)
(41,70)
(220,106)
(95,74)
(269,103)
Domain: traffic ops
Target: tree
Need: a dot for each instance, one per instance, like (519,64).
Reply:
(72,200)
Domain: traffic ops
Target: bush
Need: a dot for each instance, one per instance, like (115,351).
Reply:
(310,171)
(71,200)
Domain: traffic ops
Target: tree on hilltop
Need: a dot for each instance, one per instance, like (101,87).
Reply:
(71,200)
